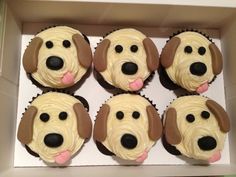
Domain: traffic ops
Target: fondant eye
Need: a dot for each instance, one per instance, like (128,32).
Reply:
(190,118)
(118,48)
(66,43)
(119,115)
(188,49)
(134,48)
(44,117)
(49,44)
(201,50)
(63,116)
(136,114)
(205,114)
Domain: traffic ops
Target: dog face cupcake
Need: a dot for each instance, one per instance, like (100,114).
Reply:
(125,58)
(127,126)
(57,57)
(191,61)
(55,127)
(197,127)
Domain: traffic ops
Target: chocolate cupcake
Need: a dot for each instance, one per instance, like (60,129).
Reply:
(195,127)
(127,126)
(190,60)
(57,57)
(54,127)
(124,59)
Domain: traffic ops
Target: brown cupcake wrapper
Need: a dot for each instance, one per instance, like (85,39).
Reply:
(190,30)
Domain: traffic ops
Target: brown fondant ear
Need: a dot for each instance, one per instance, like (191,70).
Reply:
(220,114)
(100,55)
(84,52)
(152,54)
(100,126)
(84,124)
(216,57)
(154,123)
(30,57)
(171,130)
(168,52)
(25,129)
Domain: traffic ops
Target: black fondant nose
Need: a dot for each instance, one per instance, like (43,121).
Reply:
(129,141)
(207,143)
(54,63)
(198,68)
(53,140)
(129,68)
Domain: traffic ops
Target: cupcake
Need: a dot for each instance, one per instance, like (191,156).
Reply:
(57,57)
(127,126)
(196,127)
(125,58)
(190,60)
(54,127)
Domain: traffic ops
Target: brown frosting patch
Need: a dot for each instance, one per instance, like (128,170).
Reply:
(152,54)
(84,52)
(100,127)
(84,124)
(100,55)
(168,52)
(217,61)
(25,129)
(220,114)
(30,57)
(171,130)
(154,123)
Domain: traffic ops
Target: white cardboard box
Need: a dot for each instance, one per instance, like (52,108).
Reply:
(95,18)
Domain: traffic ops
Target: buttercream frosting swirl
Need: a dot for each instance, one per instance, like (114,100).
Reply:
(200,127)
(53,103)
(52,78)
(179,71)
(128,103)
(113,73)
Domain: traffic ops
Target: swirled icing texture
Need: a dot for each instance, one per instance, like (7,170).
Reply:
(52,78)
(126,38)
(53,103)
(128,103)
(191,132)
(179,71)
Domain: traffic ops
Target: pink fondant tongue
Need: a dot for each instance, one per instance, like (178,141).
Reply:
(141,158)
(202,88)
(63,157)
(68,78)
(136,85)
(215,157)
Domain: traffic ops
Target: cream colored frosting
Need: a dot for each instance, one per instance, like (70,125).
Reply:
(126,38)
(128,103)
(179,71)
(53,103)
(191,132)
(52,78)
